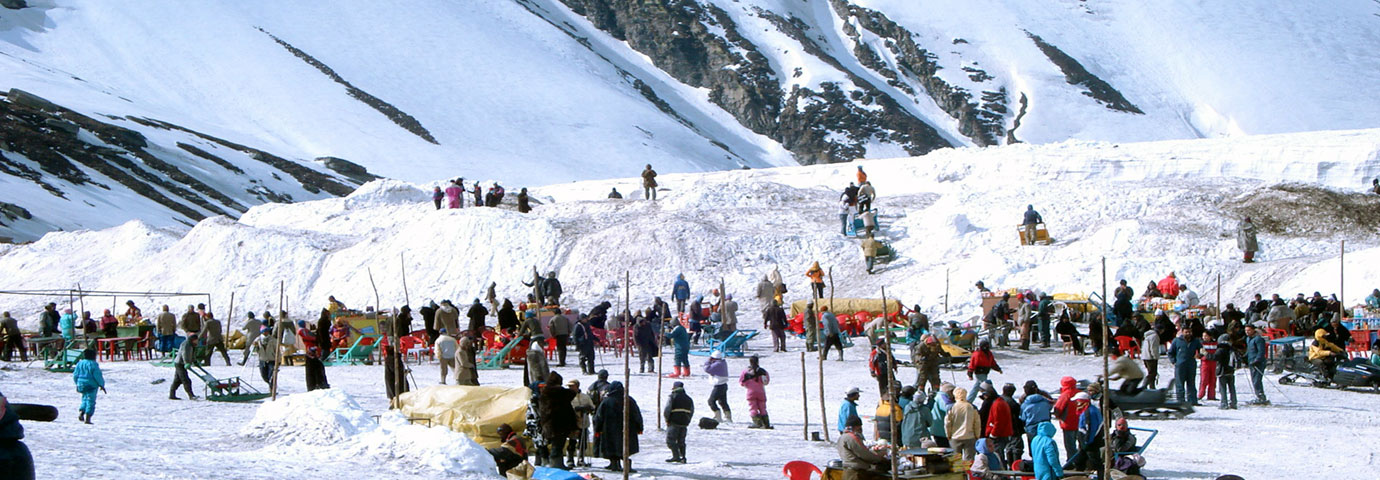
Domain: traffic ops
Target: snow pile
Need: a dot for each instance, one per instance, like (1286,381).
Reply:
(330,422)
(386,192)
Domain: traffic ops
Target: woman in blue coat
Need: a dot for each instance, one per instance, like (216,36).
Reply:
(87,376)
(680,338)
(1045,453)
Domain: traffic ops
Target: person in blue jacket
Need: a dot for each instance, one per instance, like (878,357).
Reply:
(1089,434)
(680,338)
(1045,453)
(1035,409)
(1256,353)
(849,408)
(1184,352)
(87,376)
(680,292)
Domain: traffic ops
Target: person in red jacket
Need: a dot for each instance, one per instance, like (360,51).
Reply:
(998,429)
(1067,413)
(1169,286)
(979,364)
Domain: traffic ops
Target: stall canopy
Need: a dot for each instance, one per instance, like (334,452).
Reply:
(475,411)
(849,306)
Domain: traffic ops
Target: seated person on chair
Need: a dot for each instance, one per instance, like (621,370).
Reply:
(1324,354)
(859,462)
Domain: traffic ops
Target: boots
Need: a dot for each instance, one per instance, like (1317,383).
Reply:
(756,422)
(685,372)
(766,422)
(728,416)
(81,416)
(88,417)
(717,417)
(557,461)
(675,373)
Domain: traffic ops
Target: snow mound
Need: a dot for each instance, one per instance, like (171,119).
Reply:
(386,192)
(330,422)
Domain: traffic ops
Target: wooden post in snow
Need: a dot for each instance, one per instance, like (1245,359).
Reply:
(889,394)
(804,400)
(627,372)
(1106,383)
(278,340)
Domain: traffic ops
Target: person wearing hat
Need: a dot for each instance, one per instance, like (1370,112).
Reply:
(1090,439)
(849,409)
(963,425)
(927,355)
(600,385)
(186,354)
(557,418)
(579,438)
(536,366)
(510,452)
(980,363)
(609,426)
(68,324)
(1045,453)
(755,380)
(859,462)
(680,409)
(717,368)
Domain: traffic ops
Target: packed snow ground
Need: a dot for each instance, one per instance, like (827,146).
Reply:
(141,434)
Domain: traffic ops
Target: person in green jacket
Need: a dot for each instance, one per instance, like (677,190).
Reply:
(942,402)
(87,376)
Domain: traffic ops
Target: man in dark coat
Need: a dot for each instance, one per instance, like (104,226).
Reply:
(599,314)
(774,319)
(584,345)
(645,337)
(15,460)
(523,204)
(314,363)
(429,322)
(557,415)
(551,289)
(507,317)
(609,427)
(476,315)
(680,409)
(48,322)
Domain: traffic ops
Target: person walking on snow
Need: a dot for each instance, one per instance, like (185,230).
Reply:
(186,355)
(754,379)
(1150,355)
(1257,350)
(166,324)
(963,425)
(816,275)
(680,409)
(214,338)
(1067,413)
(445,348)
(1032,218)
(680,292)
(845,216)
(87,376)
(717,368)
(833,334)
(870,246)
(774,318)
(1246,241)
(1184,352)
(252,327)
(609,426)
(649,183)
(680,340)
(980,364)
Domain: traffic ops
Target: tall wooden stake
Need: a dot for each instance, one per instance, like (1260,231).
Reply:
(804,400)
(823,412)
(407,299)
(659,363)
(278,340)
(1106,383)
(889,394)
(1341,287)
(946,289)
(627,372)
(230,317)
(1219,295)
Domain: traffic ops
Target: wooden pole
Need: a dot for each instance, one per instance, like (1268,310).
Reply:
(659,370)
(804,400)
(377,312)
(627,372)
(278,340)
(888,393)
(402,260)
(230,317)
(1106,383)
(823,412)
(946,289)
(1341,287)
(1219,294)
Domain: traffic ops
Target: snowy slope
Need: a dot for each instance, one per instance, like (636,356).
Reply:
(1149,208)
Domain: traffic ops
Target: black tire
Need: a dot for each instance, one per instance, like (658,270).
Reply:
(1286,380)
(1375,385)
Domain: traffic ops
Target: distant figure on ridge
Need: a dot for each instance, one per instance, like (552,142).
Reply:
(649,182)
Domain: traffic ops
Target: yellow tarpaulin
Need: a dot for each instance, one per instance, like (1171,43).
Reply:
(474,411)
(849,306)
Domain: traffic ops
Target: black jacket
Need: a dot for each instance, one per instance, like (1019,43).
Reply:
(476,314)
(507,317)
(680,410)
(557,413)
(49,323)
(551,287)
(599,314)
(584,337)
(608,423)
(775,318)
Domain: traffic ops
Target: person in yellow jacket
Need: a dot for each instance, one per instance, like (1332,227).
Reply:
(1324,353)
(963,424)
(816,275)
(869,248)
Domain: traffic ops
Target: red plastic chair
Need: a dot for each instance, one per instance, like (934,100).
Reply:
(800,470)
(1275,333)
(1128,345)
(550,348)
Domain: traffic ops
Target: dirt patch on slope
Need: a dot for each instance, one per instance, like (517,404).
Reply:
(1307,210)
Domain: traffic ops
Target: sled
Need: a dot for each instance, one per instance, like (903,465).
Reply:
(62,361)
(497,358)
(230,389)
(1145,444)
(731,346)
(1041,235)
(361,351)
(34,412)
(885,252)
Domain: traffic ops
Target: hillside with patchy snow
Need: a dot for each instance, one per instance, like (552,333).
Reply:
(1149,208)
(170,112)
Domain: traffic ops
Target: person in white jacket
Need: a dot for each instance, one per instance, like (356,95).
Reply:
(1189,297)
(1150,354)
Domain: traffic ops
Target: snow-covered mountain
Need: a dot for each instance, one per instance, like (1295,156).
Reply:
(237,104)
(1149,208)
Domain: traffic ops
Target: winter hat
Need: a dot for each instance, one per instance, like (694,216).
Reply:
(677,386)
(929,339)
(853,391)
(947,388)
(603,374)
(960,393)
(854,421)
(717,354)
(1082,396)
(574,383)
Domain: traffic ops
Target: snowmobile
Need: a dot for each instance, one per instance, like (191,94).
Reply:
(1356,372)
(1147,404)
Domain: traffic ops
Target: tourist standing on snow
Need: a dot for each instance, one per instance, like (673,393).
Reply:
(811,322)
(455,194)
(1032,218)
(68,324)
(252,327)
(14,339)
(728,318)
(865,196)
(583,407)
(680,340)
(881,367)
(1225,372)
(266,348)
(963,425)
(848,409)
(447,317)
(1245,239)
(584,345)
(754,379)
(560,330)
(476,315)
(1257,350)
(680,409)
(436,196)
(467,349)
(774,319)
(1043,312)
(190,322)
(644,336)
(1067,413)
(551,289)
(1045,453)
(816,275)
(1150,354)
(1184,352)
(927,355)
(717,368)
(680,292)
(48,321)
(87,376)
(609,427)
(1207,373)
(524,203)
(445,348)
(1035,409)
(186,355)
(478,195)
(980,364)
(697,319)
(833,335)
(537,368)
(214,338)
(649,183)
(558,418)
